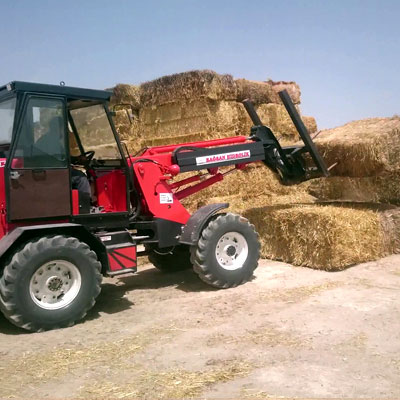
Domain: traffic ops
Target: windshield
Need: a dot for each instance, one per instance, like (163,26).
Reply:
(7,111)
(95,133)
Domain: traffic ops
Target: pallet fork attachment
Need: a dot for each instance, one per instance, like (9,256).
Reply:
(287,161)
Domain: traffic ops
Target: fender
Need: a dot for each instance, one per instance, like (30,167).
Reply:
(20,234)
(191,231)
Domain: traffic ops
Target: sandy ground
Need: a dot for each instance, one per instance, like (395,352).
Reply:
(290,332)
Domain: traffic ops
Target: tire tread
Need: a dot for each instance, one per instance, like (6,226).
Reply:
(15,265)
(199,253)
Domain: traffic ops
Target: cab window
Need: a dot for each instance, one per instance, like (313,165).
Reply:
(7,111)
(95,133)
(41,140)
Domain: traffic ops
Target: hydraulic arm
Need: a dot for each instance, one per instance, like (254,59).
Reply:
(262,145)
(159,196)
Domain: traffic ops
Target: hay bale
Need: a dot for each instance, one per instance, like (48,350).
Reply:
(254,185)
(362,148)
(390,224)
(203,117)
(257,92)
(310,123)
(202,103)
(126,127)
(167,140)
(292,88)
(383,188)
(278,120)
(325,237)
(215,119)
(189,85)
(126,94)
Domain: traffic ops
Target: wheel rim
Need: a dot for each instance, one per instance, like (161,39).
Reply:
(231,251)
(55,284)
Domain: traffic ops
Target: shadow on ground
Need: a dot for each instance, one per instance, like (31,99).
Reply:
(113,299)
(152,278)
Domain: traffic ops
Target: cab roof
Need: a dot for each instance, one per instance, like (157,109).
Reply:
(68,91)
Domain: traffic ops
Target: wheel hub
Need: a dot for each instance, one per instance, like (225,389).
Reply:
(55,284)
(231,251)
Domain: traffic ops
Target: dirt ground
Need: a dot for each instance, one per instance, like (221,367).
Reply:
(290,332)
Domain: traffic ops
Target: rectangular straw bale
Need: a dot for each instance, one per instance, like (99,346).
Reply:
(362,148)
(188,86)
(278,120)
(292,88)
(390,223)
(180,127)
(383,188)
(126,128)
(126,94)
(322,237)
(164,113)
(203,117)
(217,119)
(247,187)
(167,140)
(257,92)
(176,110)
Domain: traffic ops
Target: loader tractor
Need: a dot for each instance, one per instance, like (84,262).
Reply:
(75,206)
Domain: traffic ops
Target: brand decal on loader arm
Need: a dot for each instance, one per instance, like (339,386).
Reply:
(216,158)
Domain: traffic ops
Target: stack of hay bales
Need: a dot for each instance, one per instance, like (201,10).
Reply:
(330,236)
(308,224)
(367,154)
(348,221)
(201,105)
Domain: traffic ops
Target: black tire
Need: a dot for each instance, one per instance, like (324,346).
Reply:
(67,272)
(220,257)
(171,259)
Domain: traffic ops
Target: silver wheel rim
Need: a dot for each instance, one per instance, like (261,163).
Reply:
(55,284)
(231,251)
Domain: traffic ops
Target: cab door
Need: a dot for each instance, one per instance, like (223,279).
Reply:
(37,171)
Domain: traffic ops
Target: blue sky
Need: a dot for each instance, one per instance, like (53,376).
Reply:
(345,54)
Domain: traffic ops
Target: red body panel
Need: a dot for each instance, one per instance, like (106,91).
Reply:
(75,202)
(121,258)
(111,190)
(159,198)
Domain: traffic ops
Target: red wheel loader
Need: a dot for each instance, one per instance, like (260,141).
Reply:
(75,206)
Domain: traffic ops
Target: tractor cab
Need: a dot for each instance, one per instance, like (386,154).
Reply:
(60,157)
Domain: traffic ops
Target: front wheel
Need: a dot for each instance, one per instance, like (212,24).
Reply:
(50,283)
(227,252)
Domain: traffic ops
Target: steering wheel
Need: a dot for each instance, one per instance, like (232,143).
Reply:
(83,159)
(89,155)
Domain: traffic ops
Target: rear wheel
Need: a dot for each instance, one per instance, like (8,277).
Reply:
(227,252)
(171,259)
(50,283)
